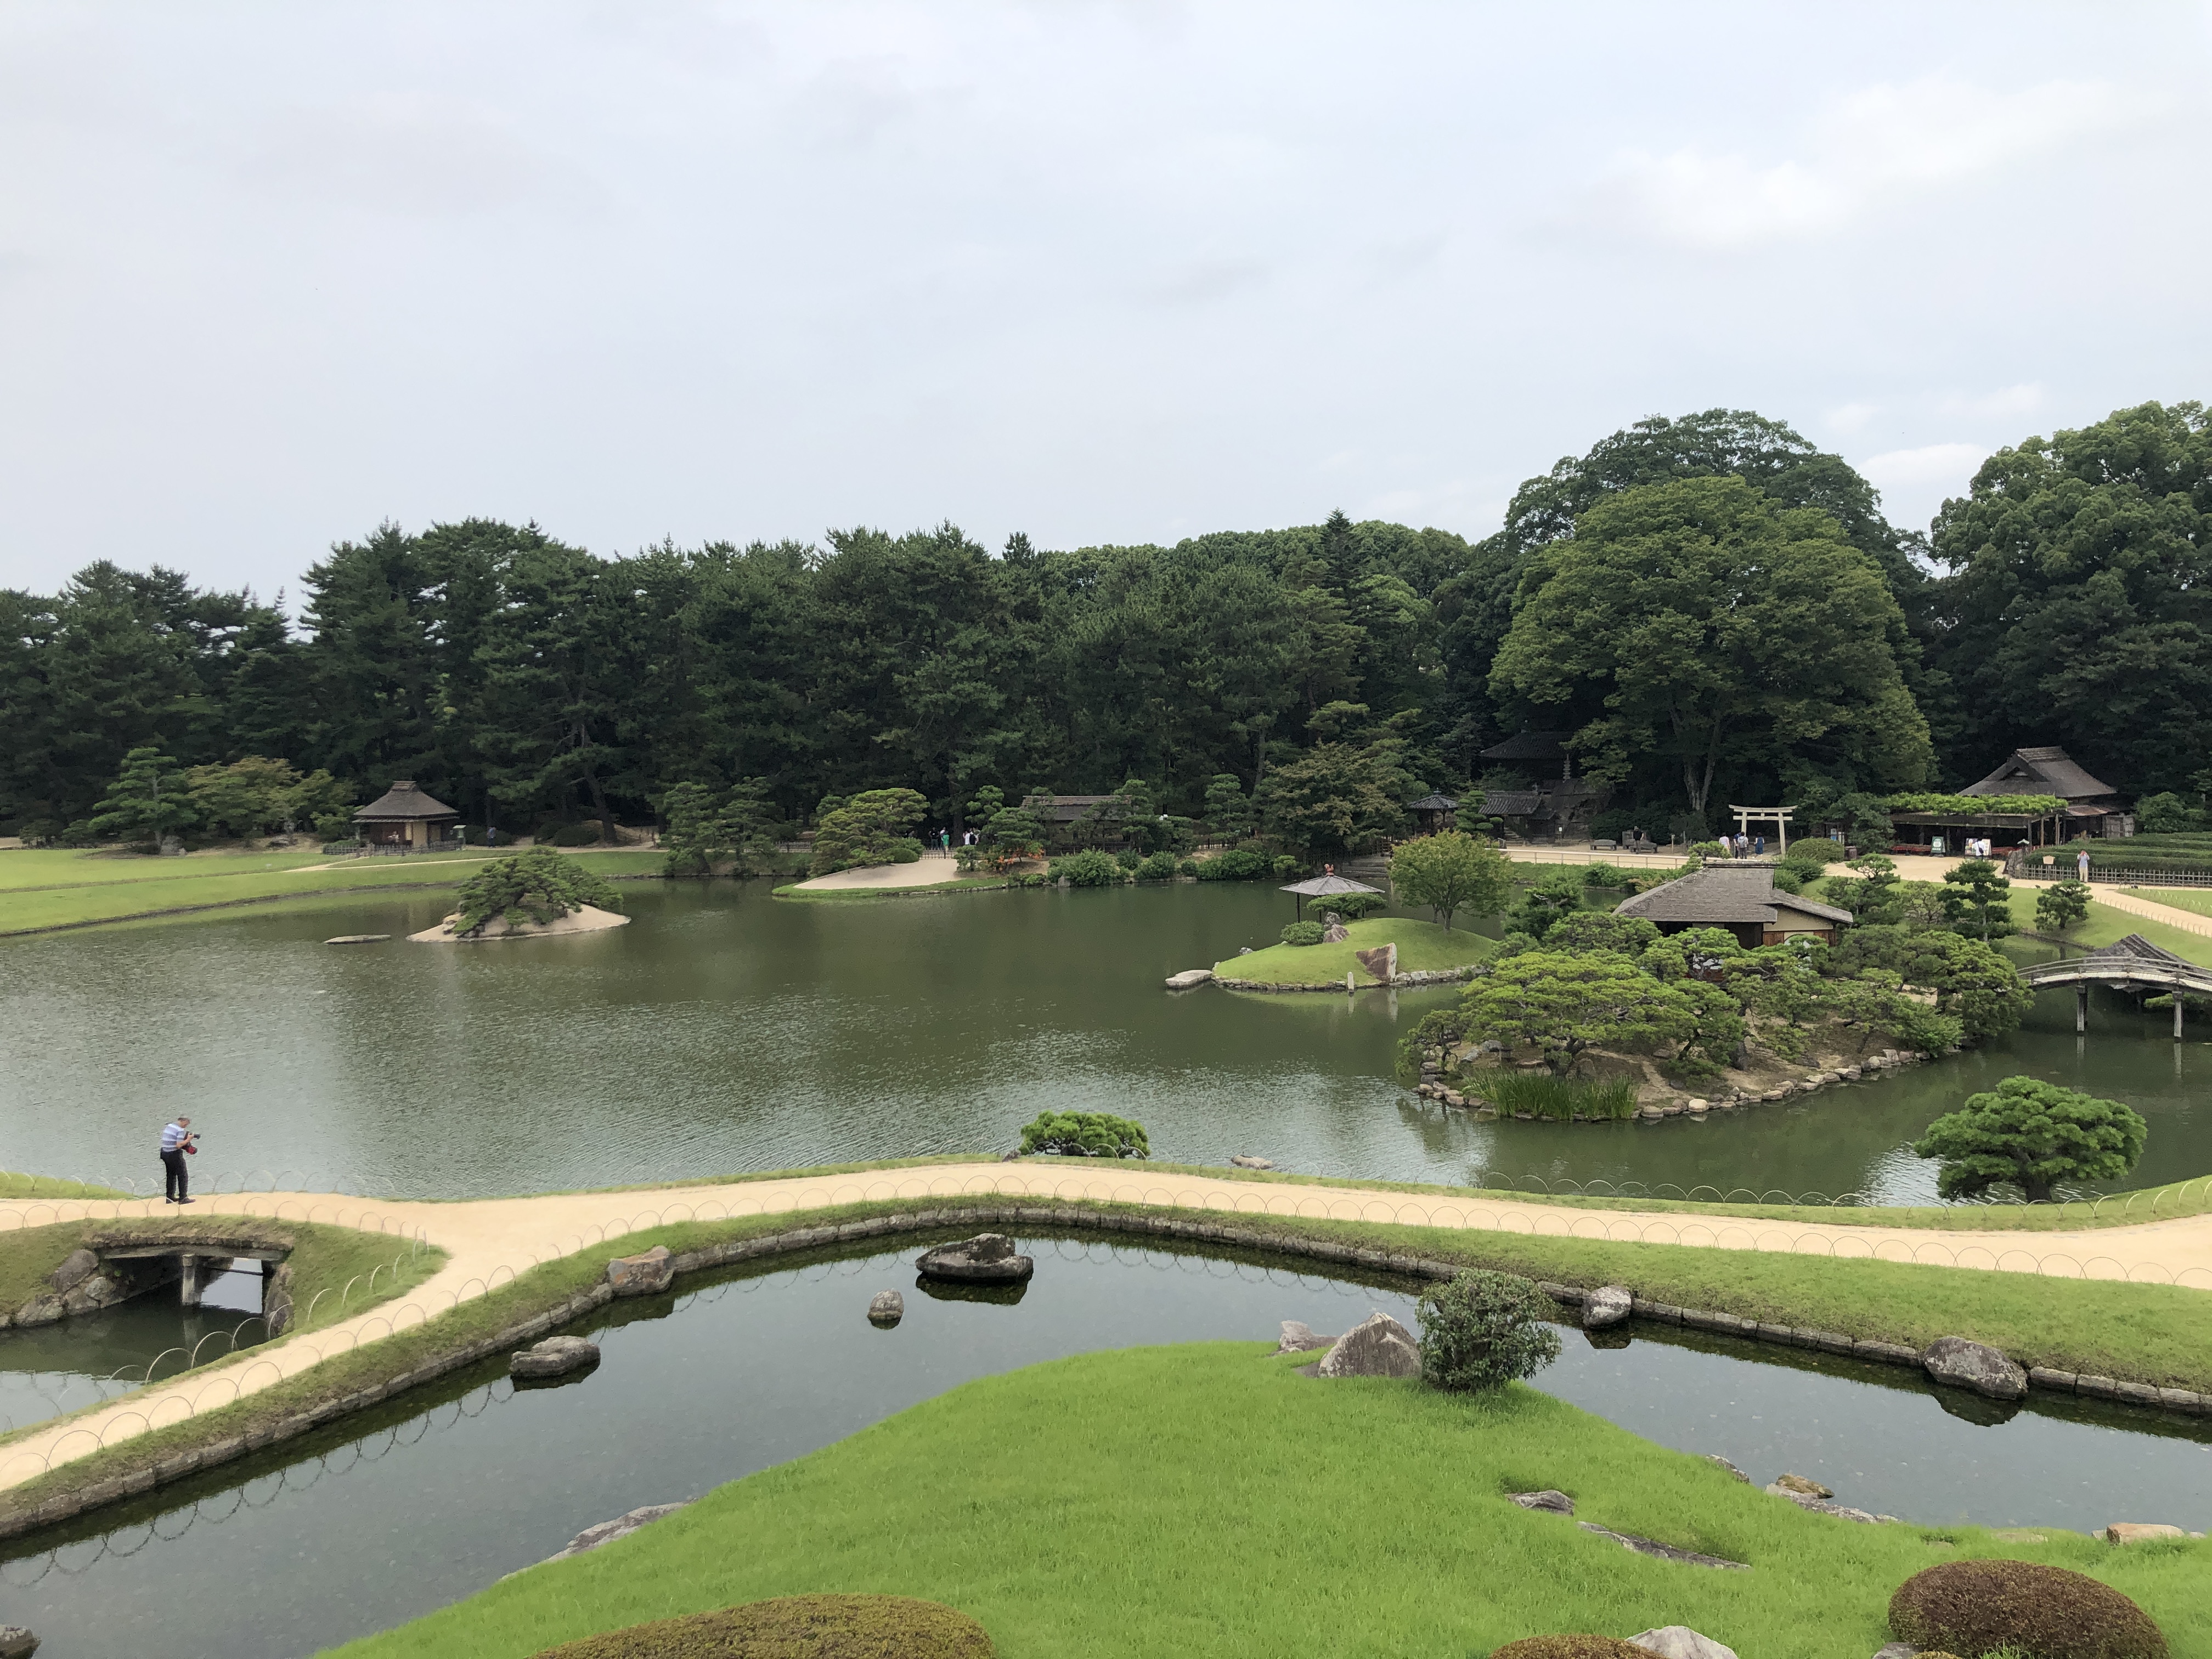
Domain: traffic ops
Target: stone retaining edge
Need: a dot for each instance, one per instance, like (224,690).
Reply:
(1402,982)
(68,1505)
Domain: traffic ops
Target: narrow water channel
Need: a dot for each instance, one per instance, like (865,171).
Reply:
(47,1370)
(399,1512)
(726,1029)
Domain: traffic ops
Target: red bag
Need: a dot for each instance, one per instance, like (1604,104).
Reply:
(190,1147)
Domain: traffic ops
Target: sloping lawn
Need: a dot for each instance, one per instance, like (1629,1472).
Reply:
(91,891)
(1423,947)
(1159,1503)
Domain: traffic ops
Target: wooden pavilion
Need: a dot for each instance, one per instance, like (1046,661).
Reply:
(405,816)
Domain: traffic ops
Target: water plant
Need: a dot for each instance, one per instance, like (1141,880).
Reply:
(1558,1099)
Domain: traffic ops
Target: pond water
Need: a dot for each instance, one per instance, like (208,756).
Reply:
(441,1493)
(47,1370)
(726,1030)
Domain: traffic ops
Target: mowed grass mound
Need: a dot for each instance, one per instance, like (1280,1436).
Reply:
(1158,1502)
(94,889)
(1423,947)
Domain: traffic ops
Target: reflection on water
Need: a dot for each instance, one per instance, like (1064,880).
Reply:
(46,1370)
(450,1489)
(727,1030)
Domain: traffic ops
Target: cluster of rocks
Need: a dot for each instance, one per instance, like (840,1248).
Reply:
(1440,1081)
(988,1259)
(1378,1346)
(17,1643)
(606,1532)
(78,1286)
(556,1356)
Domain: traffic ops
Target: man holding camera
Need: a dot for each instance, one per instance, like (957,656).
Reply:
(176,1140)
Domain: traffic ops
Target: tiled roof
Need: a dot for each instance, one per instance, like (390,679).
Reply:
(1529,745)
(1724,895)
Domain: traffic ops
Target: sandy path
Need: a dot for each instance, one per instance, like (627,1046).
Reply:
(932,866)
(490,1240)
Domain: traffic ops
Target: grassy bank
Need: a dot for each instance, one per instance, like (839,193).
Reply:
(2143,1332)
(1206,1499)
(40,891)
(13,1185)
(1423,947)
(2198,899)
(956,884)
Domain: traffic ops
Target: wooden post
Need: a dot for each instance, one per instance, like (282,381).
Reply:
(2177,1013)
(2080,1008)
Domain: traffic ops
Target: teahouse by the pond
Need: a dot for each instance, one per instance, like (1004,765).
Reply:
(404,816)
(1741,898)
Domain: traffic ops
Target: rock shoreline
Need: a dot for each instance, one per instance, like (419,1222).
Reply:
(1434,1086)
(1396,982)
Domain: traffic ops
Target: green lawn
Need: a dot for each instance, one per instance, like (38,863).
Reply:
(1423,946)
(957,883)
(2198,899)
(72,888)
(1157,1502)
(2103,925)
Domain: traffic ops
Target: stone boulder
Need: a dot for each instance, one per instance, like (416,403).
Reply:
(988,1258)
(77,1266)
(1298,1337)
(647,1274)
(556,1356)
(1336,933)
(1378,1346)
(886,1308)
(1189,979)
(1959,1364)
(1246,1161)
(1718,1461)
(1549,1501)
(1796,1486)
(2139,1532)
(17,1643)
(1680,1641)
(1381,962)
(1606,1305)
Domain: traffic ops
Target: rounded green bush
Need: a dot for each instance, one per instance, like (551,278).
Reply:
(1976,1607)
(797,1627)
(1482,1330)
(1303,933)
(1158,867)
(1091,868)
(1086,1134)
(1187,868)
(1569,1647)
(574,835)
(1358,907)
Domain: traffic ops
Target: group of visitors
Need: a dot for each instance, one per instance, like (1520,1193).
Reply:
(968,838)
(1744,847)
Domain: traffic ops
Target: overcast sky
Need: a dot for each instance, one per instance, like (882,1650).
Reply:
(272,274)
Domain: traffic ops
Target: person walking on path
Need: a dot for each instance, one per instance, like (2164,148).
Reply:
(2082,865)
(177,1139)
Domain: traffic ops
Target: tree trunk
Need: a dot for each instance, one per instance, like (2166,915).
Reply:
(600,809)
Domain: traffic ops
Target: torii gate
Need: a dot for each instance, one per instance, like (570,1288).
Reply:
(1778,815)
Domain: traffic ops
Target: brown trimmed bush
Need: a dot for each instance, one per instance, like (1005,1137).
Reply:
(1972,1607)
(797,1627)
(1569,1647)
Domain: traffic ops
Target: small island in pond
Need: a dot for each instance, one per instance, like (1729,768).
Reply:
(533,894)
(1423,948)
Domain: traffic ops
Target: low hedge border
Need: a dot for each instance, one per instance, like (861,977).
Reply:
(562,1291)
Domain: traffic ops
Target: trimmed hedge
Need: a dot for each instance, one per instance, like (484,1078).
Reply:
(797,1627)
(1974,1607)
(1569,1647)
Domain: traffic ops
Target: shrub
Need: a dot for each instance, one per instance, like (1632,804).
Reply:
(1558,1100)
(1086,1134)
(1569,1647)
(1789,879)
(1303,933)
(1285,867)
(1129,860)
(797,1627)
(574,835)
(538,886)
(1358,907)
(1708,849)
(1481,1330)
(1187,868)
(1601,874)
(1815,854)
(1035,879)
(1974,1608)
(1158,867)
(1089,868)
(1237,864)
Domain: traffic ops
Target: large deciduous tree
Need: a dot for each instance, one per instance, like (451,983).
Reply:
(1697,626)
(2080,606)
(1450,872)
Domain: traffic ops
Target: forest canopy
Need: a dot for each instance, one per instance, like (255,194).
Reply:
(1323,675)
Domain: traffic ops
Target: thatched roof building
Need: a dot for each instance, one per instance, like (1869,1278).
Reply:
(1741,898)
(405,816)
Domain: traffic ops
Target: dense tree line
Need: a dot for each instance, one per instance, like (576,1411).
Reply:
(1714,607)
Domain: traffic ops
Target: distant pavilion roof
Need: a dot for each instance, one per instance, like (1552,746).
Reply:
(1529,746)
(1724,895)
(2040,772)
(402,804)
(2134,947)
(1432,803)
(1327,886)
(1063,809)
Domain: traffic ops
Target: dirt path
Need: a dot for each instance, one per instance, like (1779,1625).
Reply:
(490,1240)
(932,866)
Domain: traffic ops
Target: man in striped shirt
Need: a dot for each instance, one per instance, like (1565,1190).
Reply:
(176,1141)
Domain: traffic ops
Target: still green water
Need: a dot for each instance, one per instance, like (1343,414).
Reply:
(724,1031)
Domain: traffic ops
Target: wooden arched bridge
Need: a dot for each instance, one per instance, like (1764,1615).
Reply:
(2132,964)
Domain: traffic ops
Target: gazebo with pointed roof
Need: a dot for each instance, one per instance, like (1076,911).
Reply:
(1328,884)
(404,816)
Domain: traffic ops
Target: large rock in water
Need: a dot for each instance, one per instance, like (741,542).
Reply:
(556,1356)
(1189,979)
(1381,962)
(886,1308)
(16,1643)
(1608,1304)
(988,1258)
(647,1274)
(1965,1365)
(1378,1346)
